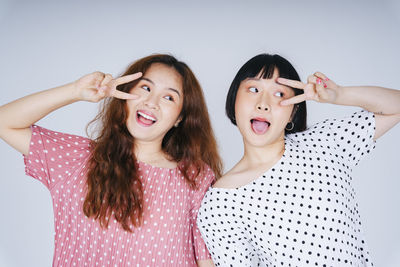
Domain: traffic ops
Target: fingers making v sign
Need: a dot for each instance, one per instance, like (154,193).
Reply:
(318,88)
(95,86)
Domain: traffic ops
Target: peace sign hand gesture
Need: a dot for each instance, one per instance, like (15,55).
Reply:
(318,88)
(96,86)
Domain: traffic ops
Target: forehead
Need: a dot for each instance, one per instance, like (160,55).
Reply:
(161,71)
(164,76)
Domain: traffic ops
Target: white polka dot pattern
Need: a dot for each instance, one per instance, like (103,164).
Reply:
(302,211)
(169,235)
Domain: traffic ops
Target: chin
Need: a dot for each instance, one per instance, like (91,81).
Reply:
(259,141)
(266,139)
(144,138)
(139,134)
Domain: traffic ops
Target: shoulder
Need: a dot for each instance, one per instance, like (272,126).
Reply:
(207,173)
(57,146)
(201,174)
(226,179)
(331,127)
(50,136)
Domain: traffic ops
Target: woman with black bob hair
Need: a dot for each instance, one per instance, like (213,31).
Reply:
(290,201)
(263,66)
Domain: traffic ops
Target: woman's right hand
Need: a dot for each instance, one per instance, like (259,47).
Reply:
(96,86)
(17,116)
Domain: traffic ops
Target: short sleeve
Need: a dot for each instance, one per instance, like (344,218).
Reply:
(206,179)
(349,138)
(53,156)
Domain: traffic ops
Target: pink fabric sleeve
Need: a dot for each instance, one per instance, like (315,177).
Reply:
(206,179)
(54,156)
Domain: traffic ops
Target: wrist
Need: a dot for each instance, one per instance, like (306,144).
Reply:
(341,92)
(76,91)
(350,96)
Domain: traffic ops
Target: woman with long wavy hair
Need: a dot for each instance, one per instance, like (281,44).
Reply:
(130,195)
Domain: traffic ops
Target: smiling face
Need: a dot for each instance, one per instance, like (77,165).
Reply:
(259,116)
(159,104)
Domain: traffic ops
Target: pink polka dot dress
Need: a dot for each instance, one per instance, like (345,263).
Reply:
(168,236)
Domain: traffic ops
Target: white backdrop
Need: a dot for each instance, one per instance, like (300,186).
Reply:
(45,44)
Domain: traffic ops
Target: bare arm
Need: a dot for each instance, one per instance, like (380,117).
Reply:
(384,102)
(17,117)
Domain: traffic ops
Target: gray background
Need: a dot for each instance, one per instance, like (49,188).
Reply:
(45,44)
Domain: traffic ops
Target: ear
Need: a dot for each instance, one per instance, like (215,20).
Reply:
(178,121)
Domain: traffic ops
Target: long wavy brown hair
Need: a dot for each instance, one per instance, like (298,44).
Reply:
(113,185)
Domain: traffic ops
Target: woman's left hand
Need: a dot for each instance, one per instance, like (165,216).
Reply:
(318,88)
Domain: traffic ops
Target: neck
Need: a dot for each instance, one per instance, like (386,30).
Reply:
(148,151)
(255,155)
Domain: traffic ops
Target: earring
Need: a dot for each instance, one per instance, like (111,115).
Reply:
(289,128)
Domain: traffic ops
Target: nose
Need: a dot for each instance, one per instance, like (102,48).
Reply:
(151,101)
(262,104)
(262,107)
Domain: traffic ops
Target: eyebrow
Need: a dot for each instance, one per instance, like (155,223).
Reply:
(285,87)
(171,89)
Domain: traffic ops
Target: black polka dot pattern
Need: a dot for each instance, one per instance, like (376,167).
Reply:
(302,211)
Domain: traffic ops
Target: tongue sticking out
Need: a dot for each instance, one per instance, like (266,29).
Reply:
(259,127)
(144,121)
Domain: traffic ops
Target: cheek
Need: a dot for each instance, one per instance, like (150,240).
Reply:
(241,105)
(176,108)
(171,112)
(285,113)
(180,104)
(242,115)
(130,109)
(238,112)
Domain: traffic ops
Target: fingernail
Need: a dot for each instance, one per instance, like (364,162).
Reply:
(325,85)
(318,81)
(326,79)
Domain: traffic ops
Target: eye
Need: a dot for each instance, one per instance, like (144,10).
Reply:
(279,94)
(168,97)
(145,87)
(253,90)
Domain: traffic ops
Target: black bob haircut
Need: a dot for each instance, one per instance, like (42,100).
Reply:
(263,65)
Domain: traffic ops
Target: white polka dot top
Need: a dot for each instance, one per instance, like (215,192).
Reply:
(302,211)
(168,235)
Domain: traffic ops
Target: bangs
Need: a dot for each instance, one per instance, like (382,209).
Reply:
(263,66)
(258,68)
(267,72)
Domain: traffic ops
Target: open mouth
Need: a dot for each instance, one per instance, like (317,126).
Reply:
(145,119)
(259,125)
